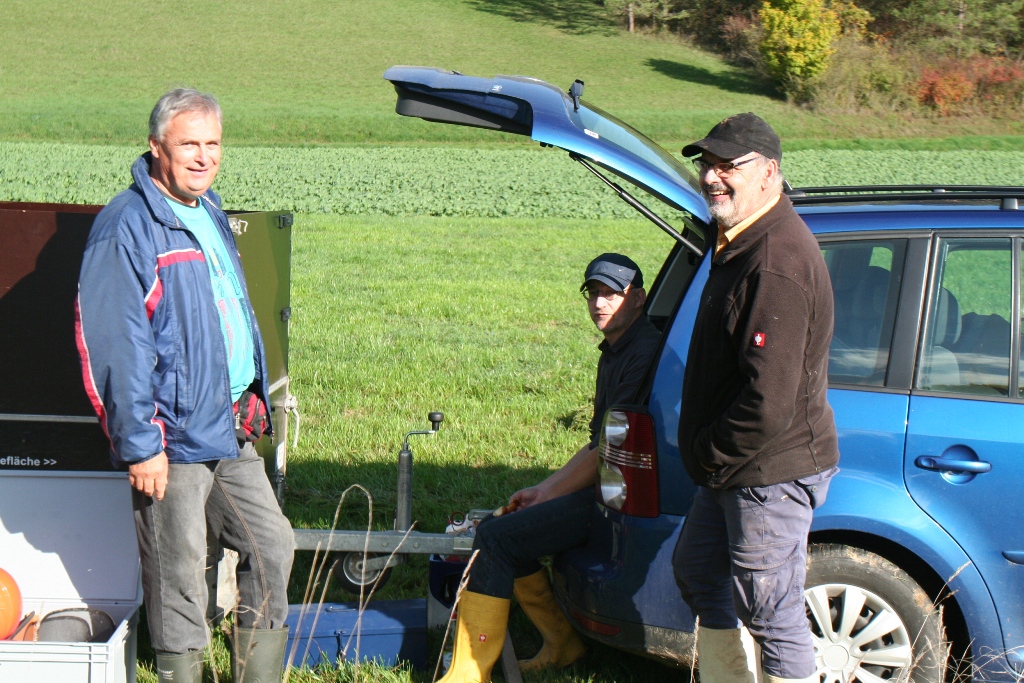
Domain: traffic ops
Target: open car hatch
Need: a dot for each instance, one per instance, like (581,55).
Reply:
(527,106)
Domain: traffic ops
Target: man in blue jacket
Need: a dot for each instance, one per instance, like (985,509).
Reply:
(174,365)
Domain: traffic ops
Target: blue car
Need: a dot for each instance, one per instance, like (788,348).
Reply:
(916,563)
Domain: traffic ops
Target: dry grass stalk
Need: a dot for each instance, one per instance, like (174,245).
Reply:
(455,605)
(316,571)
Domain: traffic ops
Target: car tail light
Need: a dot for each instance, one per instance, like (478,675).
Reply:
(628,464)
(593,624)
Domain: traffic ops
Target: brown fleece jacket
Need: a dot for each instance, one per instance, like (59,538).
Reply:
(754,407)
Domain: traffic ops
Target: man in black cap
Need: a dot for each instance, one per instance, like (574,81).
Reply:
(555,514)
(756,432)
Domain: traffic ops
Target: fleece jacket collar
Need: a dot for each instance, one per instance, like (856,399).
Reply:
(753,233)
(154,198)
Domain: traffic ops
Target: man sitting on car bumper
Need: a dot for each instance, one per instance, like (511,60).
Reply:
(555,514)
(756,432)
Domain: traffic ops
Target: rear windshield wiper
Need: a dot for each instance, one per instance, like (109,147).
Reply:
(636,204)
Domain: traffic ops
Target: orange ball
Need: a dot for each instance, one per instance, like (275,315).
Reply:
(10,605)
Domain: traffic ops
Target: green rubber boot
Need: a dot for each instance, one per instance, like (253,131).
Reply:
(186,668)
(258,654)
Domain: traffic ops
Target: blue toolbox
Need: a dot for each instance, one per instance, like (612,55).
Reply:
(388,631)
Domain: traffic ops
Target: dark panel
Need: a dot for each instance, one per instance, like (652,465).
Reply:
(41,248)
(39,368)
(467,109)
(908,317)
(53,208)
(53,446)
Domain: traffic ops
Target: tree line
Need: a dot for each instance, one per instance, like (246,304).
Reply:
(947,57)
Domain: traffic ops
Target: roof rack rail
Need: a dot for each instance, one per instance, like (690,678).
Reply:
(1009,197)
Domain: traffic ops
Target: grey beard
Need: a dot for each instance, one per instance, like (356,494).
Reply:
(724,215)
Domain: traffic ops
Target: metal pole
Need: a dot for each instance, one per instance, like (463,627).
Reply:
(403,511)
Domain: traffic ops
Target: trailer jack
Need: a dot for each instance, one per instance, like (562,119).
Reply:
(367,557)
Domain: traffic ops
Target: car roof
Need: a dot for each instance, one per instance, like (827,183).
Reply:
(882,217)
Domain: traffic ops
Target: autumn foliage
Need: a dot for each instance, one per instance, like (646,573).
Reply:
(988,83)
(798,41)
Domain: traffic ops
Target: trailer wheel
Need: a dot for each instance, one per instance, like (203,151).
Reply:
(352,578)
(870,620)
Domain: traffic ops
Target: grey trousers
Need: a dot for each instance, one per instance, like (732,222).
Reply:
(234,501)
(741,558)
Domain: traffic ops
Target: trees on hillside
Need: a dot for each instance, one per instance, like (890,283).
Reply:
(798,41)
(895,53)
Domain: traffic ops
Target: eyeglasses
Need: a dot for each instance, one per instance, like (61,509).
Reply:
(723,169)
(607,293)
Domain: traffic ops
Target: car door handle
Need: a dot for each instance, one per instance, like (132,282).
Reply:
(930,462)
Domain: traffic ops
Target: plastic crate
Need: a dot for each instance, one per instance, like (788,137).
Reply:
(68,539)
(444,575)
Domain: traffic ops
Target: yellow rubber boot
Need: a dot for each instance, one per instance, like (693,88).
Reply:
(479,637)
(562,645)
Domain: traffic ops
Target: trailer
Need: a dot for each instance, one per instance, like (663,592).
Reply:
(46,421)
(47,424)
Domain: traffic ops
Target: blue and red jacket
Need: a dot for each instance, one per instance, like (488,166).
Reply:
(149,334)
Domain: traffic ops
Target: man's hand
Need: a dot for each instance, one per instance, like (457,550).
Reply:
(150,477)
(524,498)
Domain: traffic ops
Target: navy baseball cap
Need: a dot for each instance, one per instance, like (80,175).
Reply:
(615,270)
(739,135)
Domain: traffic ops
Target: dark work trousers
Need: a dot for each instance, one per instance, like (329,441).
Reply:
(511,544)
(741,557)
(234,500)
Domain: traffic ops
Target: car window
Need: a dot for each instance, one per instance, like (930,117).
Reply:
(966,346)
(672,282)
(865,284)
(597,122)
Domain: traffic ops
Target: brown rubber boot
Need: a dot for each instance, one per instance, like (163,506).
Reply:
(562,645)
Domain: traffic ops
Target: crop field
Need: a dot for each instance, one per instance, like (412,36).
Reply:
(444,181)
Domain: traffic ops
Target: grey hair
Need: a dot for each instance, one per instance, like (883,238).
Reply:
(762,161)
(178,101)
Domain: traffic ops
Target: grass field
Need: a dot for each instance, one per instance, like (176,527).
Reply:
(480,318)
(309,72)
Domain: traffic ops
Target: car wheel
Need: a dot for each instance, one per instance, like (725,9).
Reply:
(353,578)
(870,621)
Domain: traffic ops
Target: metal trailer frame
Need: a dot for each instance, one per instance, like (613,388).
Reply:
(47,421)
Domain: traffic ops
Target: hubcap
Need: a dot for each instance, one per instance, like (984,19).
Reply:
(857,635)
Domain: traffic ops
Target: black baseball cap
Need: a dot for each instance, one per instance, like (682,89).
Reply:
(739,135)
(615,270)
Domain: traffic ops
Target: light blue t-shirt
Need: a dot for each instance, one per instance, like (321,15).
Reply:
(227,293)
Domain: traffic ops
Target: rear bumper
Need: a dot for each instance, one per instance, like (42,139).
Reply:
(668,646)
(619,588)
